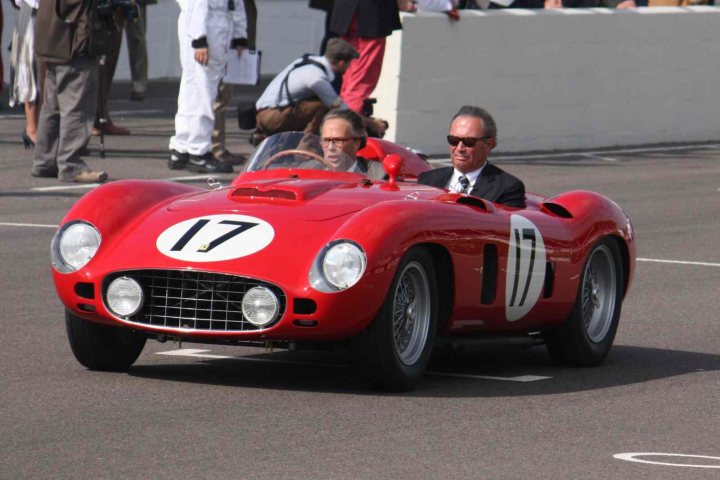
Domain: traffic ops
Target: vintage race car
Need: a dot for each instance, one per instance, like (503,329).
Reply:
(293,253)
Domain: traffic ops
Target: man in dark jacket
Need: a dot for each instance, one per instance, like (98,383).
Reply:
(73,36)
(472,136)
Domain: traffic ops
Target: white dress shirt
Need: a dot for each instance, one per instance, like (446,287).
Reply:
(455,186)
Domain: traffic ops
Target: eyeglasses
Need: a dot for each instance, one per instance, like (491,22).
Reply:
(467,141)
(338,141)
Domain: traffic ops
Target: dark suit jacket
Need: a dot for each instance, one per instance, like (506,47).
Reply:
(493,184)
(376,18)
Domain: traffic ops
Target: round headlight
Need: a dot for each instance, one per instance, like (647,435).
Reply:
(343,265)
(124,296)
(260,306)
(74,246)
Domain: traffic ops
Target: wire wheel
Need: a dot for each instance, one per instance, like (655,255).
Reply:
(598,294)
(411,313)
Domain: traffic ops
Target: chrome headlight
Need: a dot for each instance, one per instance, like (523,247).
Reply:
(339,266)
(124,296)
(260,306)
(74,245)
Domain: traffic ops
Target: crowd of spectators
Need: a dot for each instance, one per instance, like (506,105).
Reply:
(63,76)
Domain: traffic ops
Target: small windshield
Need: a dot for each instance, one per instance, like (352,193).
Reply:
(297,150)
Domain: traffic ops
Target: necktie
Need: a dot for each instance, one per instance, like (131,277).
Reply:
(464,183)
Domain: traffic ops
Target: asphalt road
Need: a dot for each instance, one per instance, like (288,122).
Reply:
(222,412)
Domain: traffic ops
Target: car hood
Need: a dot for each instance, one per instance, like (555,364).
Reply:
(269,229)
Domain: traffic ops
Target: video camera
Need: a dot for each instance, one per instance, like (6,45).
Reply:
(107,9)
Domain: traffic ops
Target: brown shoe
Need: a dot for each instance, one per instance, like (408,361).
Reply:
(90,177)
(110,129)
(230,158)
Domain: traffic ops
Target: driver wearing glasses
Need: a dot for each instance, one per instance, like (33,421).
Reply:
(342,134)
(472,136)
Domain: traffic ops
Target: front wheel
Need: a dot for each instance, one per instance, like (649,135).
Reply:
(100,347)
(395,349)
(588,333)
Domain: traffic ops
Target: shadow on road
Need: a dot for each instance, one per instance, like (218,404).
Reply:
(326,372)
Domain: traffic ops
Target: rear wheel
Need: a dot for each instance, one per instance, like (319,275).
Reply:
(395,349)
(587,335)
(100,347)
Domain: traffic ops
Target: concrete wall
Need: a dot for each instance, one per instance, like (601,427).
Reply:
(556,80)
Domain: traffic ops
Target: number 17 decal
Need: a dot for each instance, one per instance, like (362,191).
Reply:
(525,268)
(213,238)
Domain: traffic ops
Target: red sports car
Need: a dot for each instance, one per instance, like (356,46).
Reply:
(294,252)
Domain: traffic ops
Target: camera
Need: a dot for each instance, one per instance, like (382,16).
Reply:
(107,8)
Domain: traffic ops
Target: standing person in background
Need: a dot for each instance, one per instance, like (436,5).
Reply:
(137,51)
(72,37)
(24,79)
(219,151)
(326,6)
(206,29)
(365,24)
(116,24)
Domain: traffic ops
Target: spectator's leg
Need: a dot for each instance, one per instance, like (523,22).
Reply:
(77,83)
(222,100)
(46,145)
(107,72)
(362,77)
(310,114)
(199,86)
(251,14)
(137,51)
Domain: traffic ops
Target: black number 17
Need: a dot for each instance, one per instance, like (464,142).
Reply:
(192,231)
(527,234)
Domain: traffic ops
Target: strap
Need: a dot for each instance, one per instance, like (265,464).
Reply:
(306,60)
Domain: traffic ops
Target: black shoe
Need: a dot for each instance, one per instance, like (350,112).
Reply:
(207,164)
(177,160)
(137,96)
(27,141)
(39,173)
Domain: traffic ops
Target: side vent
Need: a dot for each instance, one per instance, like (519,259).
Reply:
(557,210)
(490,274)
(549,280)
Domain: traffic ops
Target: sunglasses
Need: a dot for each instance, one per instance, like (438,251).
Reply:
(467,141)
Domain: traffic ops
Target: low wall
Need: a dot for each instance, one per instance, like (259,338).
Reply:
(556,79)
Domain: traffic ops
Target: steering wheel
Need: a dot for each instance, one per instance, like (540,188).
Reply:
(296,151)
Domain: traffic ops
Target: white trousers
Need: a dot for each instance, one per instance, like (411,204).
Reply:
(199,84)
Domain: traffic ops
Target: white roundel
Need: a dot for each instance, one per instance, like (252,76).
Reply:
(214,238)
(525,268)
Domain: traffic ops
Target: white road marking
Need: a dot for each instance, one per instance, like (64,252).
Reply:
(85,186)
(133,113)
(631,457)
(36,225)
(198,353)
(678,262)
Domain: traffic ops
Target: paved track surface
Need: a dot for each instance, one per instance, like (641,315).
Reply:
(293,415)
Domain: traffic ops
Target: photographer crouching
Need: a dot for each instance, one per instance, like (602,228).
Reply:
(72,37)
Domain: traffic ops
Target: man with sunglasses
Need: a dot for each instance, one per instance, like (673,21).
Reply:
(472,136)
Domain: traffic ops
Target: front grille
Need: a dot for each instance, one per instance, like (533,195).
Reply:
(194,300)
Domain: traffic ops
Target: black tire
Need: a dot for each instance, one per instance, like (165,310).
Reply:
(396,362)
(585,338)
(100,347)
